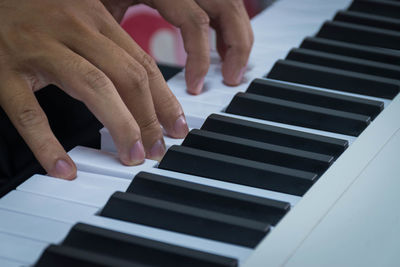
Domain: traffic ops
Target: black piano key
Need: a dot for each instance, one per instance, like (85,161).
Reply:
(293,113)
(236,170)
(139,250)
(345,63)
(335,79)
(309,96)
(368,20)
(208,198)
(258,151)
(168,71)
(359,34)
(185,219)
(377,7)
(275,135)
(64,256)
(352,50)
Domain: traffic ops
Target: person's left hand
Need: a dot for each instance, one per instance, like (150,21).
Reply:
(193,17)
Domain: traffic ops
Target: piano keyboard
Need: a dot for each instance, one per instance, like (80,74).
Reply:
(261,167)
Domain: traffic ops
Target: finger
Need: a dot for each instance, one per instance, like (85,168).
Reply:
(82,80)
(167,107)
(131,81)
(194,25)
(234,37)
(221,46)
(21,106)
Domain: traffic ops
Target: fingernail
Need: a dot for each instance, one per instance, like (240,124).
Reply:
(239,77)
(181,128)
(63,168)
(157,151)
(137,153)
(197,86)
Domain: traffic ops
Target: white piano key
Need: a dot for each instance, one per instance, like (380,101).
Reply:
(20,249)
(169,141)
(107,143)
(208,95)
(229,186)
(202,244)
(9,263)
(196,111)
(32,227)
(322,7)
(45,207)
(105,163)
(88,188)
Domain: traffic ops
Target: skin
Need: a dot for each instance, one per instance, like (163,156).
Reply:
(79,46)
(194,17)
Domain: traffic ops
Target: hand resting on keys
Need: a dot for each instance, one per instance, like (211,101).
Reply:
(78,46)
(193,17)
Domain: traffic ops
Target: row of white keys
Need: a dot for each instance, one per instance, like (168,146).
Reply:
(20,251)
(32,227)
(55,211)
(90,189)
(119,168)
(107,143)
(31,221)
(105,163)
(4,262)
(29,232)
(38,205)
(195,113)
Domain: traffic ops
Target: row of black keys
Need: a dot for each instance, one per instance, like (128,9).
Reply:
(199,210)
(174,205)
(357,52)
(345,56)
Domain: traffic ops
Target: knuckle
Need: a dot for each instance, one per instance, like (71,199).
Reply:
(237,4)
(30,117)
(201,18)
(244,47)
(128,130)
(234,6)
(97,80)
(149,124)
(169,106)
(138,74)
(44,146)
(149,64)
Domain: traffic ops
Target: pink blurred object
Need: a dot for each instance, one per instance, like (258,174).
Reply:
(159,38)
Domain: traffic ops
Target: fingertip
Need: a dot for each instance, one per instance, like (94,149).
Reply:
(64,169)
(135,155)
(195,87)
(233,77)
(181,128)
(157,151)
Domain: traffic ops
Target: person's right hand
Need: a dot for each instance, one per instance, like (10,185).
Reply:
(78,46)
